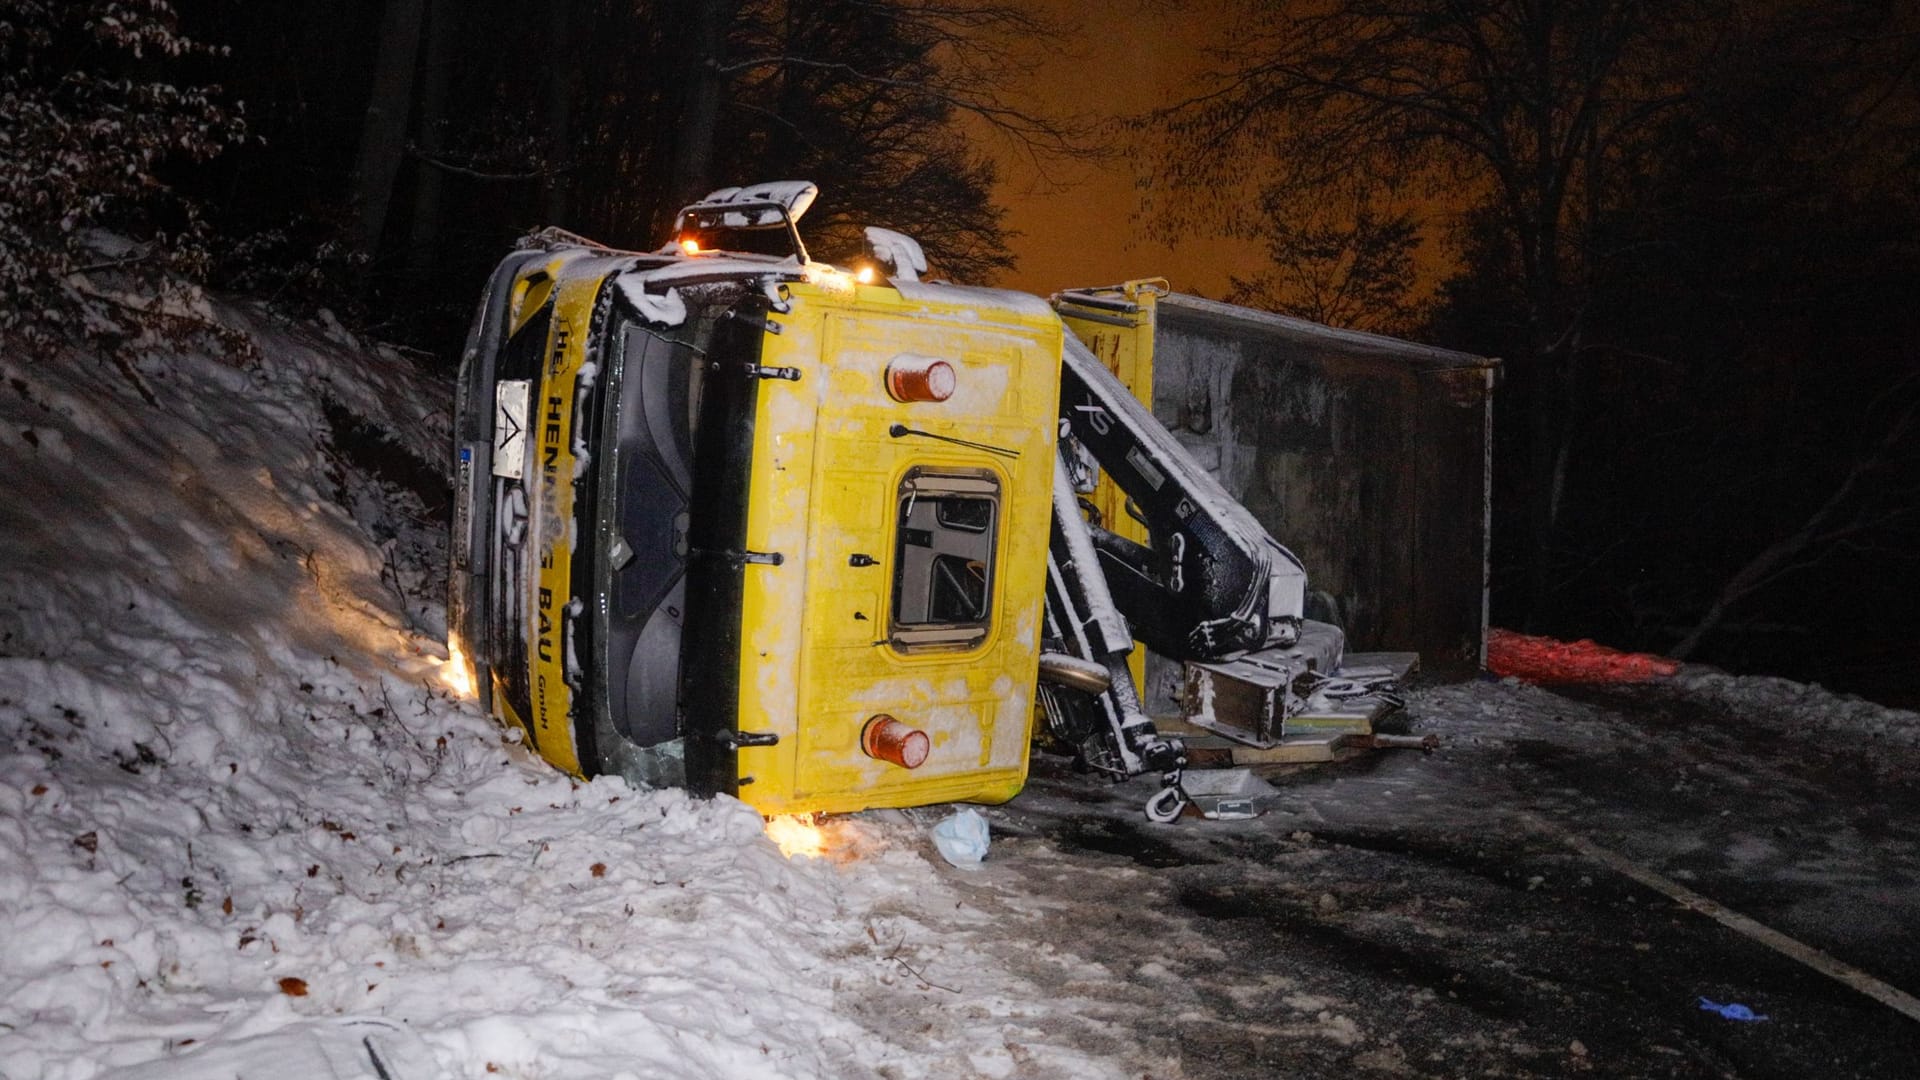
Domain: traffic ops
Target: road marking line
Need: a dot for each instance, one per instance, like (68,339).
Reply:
(1891,996)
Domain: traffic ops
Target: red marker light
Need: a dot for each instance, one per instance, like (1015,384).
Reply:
(887,739)
(920,378)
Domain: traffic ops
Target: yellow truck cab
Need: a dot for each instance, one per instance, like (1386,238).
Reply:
(731,519)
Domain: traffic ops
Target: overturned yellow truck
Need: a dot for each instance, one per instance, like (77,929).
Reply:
(734,520)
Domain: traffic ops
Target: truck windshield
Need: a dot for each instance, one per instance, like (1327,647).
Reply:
(651,426)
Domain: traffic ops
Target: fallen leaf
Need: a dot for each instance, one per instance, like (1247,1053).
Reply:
(226,906)
(39,789)
(293,987)
(87,841)
(599,869)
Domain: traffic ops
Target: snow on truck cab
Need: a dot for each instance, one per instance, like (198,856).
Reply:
(731,519)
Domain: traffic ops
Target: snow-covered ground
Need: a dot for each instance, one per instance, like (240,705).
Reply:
(236,793)
(238,796)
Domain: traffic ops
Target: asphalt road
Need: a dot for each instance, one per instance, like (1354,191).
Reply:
(1424,915)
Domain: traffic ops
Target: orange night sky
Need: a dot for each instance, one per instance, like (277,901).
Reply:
(1084,227)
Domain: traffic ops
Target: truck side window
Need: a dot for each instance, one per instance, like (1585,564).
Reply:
(943,558)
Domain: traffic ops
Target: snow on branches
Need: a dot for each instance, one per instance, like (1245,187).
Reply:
(91,115)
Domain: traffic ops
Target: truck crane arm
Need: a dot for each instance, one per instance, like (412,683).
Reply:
(1212,584)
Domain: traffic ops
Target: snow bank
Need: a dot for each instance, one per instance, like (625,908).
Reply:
(1806,709)
(1528,667)
(235,795)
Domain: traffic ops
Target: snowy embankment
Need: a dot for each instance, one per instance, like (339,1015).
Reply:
(237,797)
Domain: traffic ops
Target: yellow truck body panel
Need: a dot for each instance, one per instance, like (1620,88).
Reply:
(893,553)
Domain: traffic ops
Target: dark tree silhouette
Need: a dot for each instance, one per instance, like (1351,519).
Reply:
(1532,111)
(1687,228)
(1354,271)
(410,141)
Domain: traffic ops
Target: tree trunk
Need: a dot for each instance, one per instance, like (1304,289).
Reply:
(561,78)
(1543,399)
(423,230)
(383,131)
(690,174)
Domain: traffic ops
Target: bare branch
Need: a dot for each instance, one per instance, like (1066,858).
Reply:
(446,166)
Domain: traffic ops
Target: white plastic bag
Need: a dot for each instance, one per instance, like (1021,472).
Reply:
(962,838)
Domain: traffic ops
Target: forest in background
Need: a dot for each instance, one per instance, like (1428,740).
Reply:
(1690,229)
(414,140)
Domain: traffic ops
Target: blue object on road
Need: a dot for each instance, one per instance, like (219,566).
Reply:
(1732,1011)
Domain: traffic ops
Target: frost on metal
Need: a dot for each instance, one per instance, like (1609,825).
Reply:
(582,387)
(926,292)
(898,250)
(661,309)
(795,195)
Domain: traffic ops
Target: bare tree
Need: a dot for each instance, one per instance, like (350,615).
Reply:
(699,93)
(1354,271)
(950,57)
(1529,112)
(865,97)
(1866,502)
(383,129)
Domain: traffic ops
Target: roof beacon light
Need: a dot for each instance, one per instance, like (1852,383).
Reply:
(690,246)
(920,378)
(887,739)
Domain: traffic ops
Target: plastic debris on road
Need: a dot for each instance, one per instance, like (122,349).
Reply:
(1226,794)
(961,838)
(1732,1011)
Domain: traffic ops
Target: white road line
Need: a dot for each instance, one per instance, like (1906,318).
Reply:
(1891,996)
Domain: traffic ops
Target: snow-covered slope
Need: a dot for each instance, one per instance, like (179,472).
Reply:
(236,794)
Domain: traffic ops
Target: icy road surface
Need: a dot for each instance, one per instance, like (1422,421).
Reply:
(238,799)
(1401,914)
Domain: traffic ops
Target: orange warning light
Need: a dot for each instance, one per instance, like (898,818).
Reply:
(920,378)
(887,739)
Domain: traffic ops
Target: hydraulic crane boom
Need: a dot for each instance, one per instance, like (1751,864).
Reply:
(1209,586)
(1212,583)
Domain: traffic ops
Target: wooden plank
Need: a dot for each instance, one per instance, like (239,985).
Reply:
(1302,749)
